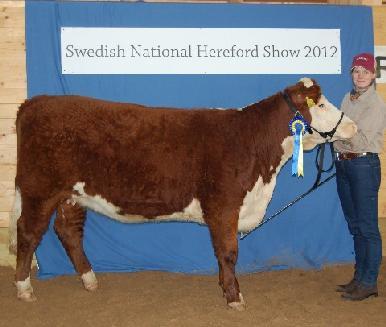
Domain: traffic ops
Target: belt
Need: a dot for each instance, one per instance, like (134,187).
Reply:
(349,155)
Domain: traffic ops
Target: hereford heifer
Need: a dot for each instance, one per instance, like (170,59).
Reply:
(137,164)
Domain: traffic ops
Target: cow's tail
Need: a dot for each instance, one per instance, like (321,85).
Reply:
(12,228)
(16,210)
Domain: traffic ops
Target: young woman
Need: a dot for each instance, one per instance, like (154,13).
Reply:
(358,177)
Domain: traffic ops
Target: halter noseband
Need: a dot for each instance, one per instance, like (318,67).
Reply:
(310,129)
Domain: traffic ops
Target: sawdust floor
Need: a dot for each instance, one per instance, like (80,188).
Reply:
(280,298)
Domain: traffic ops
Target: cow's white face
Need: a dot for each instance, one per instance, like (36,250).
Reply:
(325,117)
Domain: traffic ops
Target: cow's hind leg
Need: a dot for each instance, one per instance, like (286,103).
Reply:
(69,228)
(32,224)
(223,230)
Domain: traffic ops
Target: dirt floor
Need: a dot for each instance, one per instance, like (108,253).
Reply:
(278,298)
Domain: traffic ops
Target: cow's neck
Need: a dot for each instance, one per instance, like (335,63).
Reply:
(256,200)
(270,149)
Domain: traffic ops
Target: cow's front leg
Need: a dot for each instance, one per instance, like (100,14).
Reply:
(223,230)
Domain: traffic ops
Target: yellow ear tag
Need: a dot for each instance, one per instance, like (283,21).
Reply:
(310,102)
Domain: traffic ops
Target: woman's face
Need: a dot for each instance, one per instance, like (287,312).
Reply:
(362,78)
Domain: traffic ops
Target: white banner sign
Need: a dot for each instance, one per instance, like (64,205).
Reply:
(200,51)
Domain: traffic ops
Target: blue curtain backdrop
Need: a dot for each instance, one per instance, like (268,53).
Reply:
(309,234)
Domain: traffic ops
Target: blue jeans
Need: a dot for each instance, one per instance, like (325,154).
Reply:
(358,182)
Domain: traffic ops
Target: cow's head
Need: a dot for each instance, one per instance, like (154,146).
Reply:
(322,115)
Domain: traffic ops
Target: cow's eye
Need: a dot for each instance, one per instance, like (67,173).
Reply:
(322,106)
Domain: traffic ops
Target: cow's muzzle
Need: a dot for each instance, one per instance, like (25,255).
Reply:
(331,133)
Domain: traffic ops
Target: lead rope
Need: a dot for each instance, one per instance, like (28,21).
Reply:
(318,183)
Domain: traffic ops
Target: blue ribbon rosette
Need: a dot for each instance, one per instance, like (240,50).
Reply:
(297,127)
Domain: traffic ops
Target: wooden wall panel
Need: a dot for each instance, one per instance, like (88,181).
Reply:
(382,229)
(12,92)
(10,15)
(8,110)
(379,16)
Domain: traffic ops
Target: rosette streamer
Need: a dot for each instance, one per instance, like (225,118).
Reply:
(297,127)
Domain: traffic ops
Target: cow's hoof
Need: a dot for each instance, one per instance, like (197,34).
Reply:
(27,297)
(238,306)
(90,282)
(25,291)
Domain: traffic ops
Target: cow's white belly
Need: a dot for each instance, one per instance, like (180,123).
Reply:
(192,212)
(251,212)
